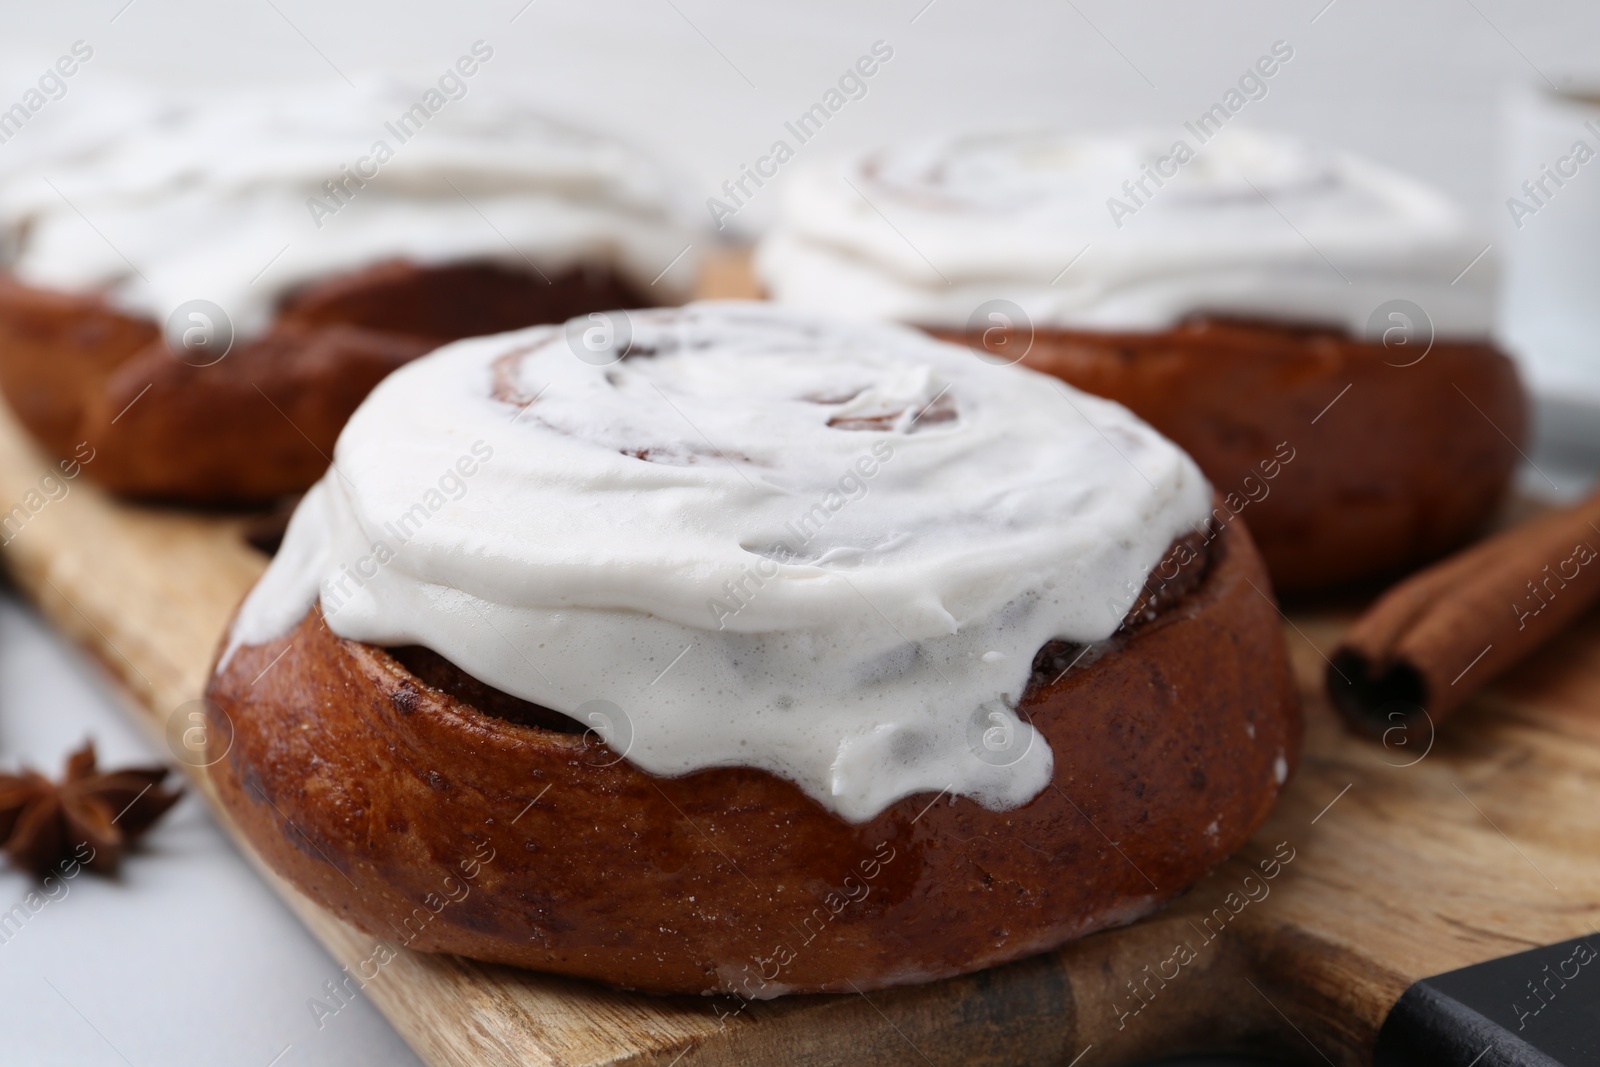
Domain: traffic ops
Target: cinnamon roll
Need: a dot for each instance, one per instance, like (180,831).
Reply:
(1252,296)
(739,650)
(200,294)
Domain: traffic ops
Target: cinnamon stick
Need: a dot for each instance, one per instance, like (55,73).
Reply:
(1442,634)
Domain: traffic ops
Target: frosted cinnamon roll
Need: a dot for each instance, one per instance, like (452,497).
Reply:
(837,598)
(1253,296)
(203,291)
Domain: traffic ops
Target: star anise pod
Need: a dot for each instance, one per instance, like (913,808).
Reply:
(89,816)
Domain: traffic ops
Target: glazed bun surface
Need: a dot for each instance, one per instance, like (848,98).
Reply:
(1351,461)
(1124,233)
(819,547)
(777,600)
(382,797)
(1252,296)
(260,263)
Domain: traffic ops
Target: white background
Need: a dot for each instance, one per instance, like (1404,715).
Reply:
(708,83)
(188,958)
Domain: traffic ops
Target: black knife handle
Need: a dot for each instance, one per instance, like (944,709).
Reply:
(1539,1008)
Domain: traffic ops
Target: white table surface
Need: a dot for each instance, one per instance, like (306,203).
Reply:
(188,958)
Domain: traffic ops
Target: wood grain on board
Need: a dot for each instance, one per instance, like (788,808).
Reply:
(1388,864)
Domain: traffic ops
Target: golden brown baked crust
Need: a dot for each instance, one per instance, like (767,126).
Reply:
(420,819)
(261,422)
(1399,470)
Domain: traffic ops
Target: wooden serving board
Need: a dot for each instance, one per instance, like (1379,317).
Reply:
(1404,863)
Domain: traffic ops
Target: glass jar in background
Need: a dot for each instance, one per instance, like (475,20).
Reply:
(1550,245)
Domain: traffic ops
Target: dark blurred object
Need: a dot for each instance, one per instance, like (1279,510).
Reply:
(1539,1008)
(265,531)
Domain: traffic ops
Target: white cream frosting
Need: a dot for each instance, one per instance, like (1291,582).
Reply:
(157,202)
(822,548)
(1252,225)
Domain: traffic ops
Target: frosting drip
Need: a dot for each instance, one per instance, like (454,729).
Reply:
(157,203)
(766,539)
(1246,224)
